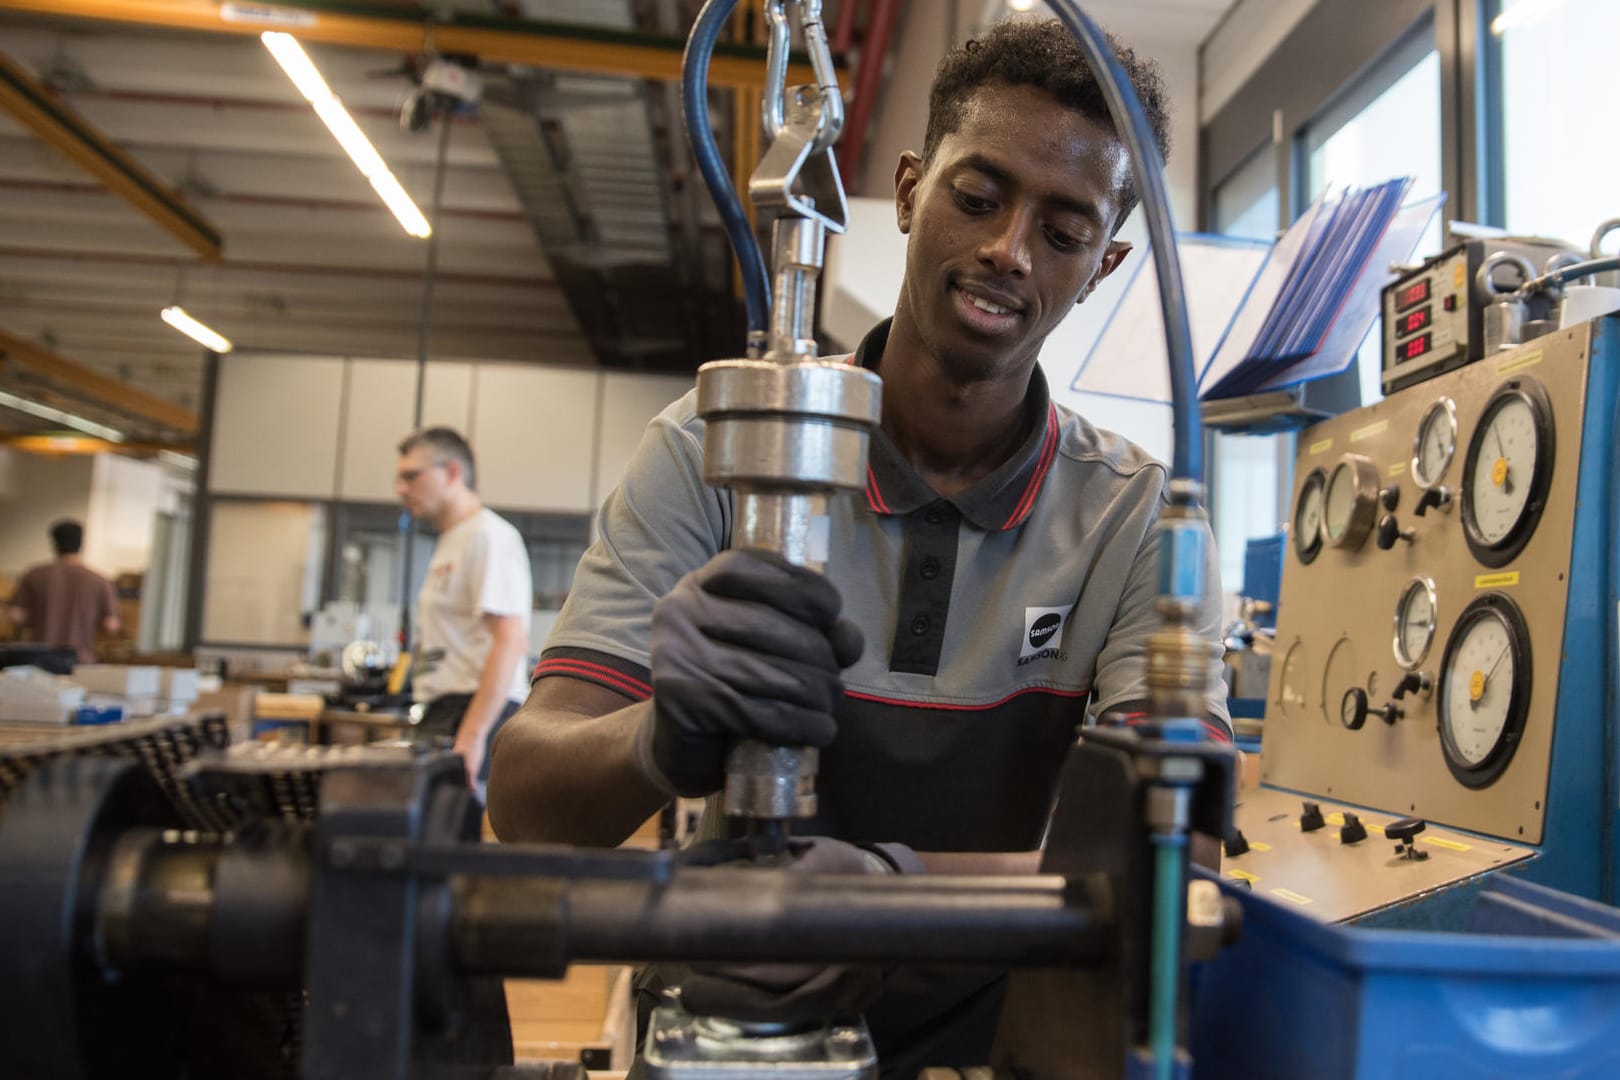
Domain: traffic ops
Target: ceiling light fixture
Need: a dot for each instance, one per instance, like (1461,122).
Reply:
(307,78)
(1021,5)
(206,336)
(72,420)
(1522,13)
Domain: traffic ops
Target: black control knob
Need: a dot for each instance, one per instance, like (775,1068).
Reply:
(1389,531)
(1311,819)
(1352,831)
(1353,708)
(1390,497)
(1437,497)
(1390,713)
(1414,682)
(1404,833)
(1236,843)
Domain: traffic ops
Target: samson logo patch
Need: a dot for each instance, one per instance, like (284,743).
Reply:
(1043,633)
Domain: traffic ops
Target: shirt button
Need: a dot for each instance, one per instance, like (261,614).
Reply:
(929,569)
(919,626)
(935,514)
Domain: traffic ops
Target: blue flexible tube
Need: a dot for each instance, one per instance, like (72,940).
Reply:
(1168,893)
(1187,462)
(695,107)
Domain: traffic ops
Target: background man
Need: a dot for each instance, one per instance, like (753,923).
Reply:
(472,613)
(63,603)
(997,574)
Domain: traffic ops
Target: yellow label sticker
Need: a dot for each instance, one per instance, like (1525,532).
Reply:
(1321,447)
(1291,896)
(1334,818)
(1497,581)
(1529,359)
(1397,469)
(1449,845)
(1369,431)
(1242,875)
(1259,845)
(1459,275)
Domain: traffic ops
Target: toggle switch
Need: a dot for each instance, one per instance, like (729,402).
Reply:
(1352,831)
(1311,819)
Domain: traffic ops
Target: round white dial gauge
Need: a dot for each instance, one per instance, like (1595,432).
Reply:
(1484,689)
(1414,622)
(1503,470)
(1308,517)
(1435,444)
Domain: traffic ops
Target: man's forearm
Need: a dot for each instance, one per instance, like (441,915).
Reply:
(566,777)
(494,685)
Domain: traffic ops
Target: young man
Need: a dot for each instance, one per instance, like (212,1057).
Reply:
(472,613)
(1000,565)
(63,603)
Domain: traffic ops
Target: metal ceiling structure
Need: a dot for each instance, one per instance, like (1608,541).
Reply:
(152,153)
(573,228)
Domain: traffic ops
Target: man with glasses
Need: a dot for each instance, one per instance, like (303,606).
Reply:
(472,612)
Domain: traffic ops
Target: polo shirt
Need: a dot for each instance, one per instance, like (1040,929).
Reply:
(993,617)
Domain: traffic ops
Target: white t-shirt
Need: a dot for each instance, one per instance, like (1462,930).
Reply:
(479,567)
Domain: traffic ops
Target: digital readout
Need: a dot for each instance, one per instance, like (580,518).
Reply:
(1415,348)
(1413,321)
(1415,293)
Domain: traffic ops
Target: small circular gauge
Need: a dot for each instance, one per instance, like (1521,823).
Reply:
(1353,708)
(1350,504)
(1308,517)
(1291,693)
(1435,443)
(1507,472)
(1415,614)
(1484,690)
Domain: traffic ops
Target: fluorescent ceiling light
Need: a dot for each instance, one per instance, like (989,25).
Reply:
(1521,14)
(206,336)
(304,75)
(45,412)
(1021,5)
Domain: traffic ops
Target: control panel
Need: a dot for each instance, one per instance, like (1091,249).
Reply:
(1429,325)
(1422,612)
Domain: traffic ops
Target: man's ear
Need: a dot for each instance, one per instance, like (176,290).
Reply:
(1113,255)
(907,175)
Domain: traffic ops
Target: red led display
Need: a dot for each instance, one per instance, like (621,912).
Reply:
(1415,348)
(1414,321)
(1415,293)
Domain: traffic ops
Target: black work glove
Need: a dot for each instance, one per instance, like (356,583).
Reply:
(796,992)
(747,647)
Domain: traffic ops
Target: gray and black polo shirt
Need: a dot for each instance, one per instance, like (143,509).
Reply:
(992,617)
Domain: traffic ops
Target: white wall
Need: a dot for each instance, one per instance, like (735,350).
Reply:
(125,496)
(43,490)
(1252,31)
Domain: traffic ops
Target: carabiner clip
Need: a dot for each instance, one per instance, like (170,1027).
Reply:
(798,174)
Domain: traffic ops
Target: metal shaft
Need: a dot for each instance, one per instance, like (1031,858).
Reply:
(745,915)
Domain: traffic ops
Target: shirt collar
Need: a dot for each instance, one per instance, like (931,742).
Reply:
(1001,500)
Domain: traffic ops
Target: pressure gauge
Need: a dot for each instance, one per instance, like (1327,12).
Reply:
(1414,622)
(1508,471)
(1434,444)
(1350,504)
(1308,517)
(1484,690)
(1291,691)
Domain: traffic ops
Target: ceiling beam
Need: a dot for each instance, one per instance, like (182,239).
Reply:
(59,127)
(103,389)
(494,39)
(64,445)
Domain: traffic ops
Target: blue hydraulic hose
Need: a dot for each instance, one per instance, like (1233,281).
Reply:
(1132,124)
(695,107)
(1168,893)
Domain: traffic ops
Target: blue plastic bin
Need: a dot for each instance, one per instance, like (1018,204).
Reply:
(1295,999)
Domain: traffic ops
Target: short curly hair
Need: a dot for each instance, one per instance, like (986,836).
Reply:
(1042,54)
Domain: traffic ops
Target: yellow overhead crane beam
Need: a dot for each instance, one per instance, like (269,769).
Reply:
(555,46)
(39,110)
(92,384)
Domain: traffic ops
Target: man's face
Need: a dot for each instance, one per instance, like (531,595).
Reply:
(1009,227)
(422,483)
